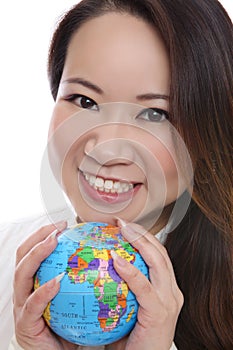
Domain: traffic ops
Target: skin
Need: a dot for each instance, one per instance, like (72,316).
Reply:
(149,157)
(97,44)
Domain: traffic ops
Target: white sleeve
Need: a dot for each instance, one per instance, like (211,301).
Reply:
(14,345)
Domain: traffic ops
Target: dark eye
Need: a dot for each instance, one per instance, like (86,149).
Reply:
(83,102)
(153,115)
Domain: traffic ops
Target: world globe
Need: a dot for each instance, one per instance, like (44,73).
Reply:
(94,306)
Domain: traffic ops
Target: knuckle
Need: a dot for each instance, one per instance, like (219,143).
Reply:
(40,251)
(19,322)
(29,306)
(141,242)
(134,273)
(164,250)
(161,316)
(180,300)
(45,228)
(158,261)
(177,303)
(17,326)
(19,253)
(44,231)
(34,252)
(146,289)
(173,307)
(149,319)
(16,277)
(164,316)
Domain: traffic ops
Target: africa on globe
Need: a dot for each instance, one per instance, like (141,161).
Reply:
(94,305)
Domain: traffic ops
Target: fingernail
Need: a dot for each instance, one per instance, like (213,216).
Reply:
(54,281)
(59,277)
(53,234)
(130,233)
(121,222)
(61,225)
(118,259)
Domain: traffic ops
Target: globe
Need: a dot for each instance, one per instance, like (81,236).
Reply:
(94,306)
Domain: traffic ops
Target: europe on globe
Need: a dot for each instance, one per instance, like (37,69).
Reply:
(94,305)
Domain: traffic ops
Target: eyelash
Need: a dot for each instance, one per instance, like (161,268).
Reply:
(72,98)
(159,113)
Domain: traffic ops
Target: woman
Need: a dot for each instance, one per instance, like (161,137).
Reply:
(174,59)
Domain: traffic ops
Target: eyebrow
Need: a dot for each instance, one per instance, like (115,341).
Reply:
(95,88)
(152,96)
(84,83)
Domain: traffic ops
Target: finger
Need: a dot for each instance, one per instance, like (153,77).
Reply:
(139,237)
(156,258)
(37,237)
(140,231)
(134,232)
(35,305)
(147,246)
(27,267)
(159,273)
(151,298)
(136,281)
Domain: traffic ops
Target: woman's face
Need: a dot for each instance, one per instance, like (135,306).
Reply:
(116,157)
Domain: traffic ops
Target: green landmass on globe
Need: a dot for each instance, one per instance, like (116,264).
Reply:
(94,305)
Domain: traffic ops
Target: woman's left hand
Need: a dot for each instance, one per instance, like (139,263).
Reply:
(160,299)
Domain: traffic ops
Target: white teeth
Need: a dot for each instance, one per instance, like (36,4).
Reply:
(92,180)
(87,176)
(99,182)
(107,186)
(116,185)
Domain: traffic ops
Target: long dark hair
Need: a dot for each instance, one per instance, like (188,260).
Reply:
(198,35)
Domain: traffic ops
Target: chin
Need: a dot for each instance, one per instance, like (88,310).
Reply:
(98,217)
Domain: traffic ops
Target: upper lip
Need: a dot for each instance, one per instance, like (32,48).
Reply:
(106,177)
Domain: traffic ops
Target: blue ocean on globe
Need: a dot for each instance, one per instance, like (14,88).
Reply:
(94,305)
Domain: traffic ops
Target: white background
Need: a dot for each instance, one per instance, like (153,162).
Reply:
(26,27)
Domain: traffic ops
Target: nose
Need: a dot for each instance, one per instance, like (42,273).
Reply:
(109,145)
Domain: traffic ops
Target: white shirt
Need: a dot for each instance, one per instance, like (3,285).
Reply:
(11,236)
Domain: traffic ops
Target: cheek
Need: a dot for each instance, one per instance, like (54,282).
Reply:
(164,158)
(60,114)
(163,174)
(168,163)
(69,180)
(70,165)
(56,119)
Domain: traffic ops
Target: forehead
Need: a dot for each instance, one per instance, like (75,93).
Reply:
(115,46)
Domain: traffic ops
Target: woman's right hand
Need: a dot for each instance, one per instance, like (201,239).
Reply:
(32,332)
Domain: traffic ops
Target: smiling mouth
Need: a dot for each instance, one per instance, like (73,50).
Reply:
(105,190)
(108,185)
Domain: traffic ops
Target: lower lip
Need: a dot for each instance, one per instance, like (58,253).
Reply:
(105,197)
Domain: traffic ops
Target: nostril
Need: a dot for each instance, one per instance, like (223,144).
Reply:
(109,152)
(118,161)
(89,146)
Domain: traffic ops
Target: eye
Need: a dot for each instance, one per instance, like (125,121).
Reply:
(153,115)
(83,101)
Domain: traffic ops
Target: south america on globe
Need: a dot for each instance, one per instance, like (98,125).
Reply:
(94,306)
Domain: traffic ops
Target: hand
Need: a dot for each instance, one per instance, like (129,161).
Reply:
(160,300)
(32,333)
